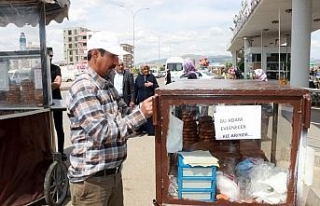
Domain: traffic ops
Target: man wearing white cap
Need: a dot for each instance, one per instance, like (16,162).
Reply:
(100,127)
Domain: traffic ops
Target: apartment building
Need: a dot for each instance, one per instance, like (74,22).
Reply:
(75,47)
(128,59)
(75,44)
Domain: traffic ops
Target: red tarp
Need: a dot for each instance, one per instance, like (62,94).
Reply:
(25,155)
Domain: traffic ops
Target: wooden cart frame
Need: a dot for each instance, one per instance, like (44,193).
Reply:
(233,92)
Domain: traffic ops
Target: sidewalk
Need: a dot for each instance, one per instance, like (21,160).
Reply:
(138,172)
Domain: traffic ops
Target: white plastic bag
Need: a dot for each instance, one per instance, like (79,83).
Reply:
(174,138)
(227,187)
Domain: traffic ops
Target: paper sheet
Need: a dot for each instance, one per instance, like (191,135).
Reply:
(174,137)
(199,158)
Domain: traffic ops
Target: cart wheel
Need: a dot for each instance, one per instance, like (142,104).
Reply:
(56,184)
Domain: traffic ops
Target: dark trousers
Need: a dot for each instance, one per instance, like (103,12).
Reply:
(58,124)
(148,127)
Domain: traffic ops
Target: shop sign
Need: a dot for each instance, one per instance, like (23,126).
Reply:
(238,122)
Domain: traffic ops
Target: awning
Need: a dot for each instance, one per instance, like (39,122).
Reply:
(22,12)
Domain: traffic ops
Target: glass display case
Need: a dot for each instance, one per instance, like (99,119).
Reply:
(25,82)
(230,142)
(21,80)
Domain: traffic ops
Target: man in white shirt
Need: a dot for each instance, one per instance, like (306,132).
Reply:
(123,82)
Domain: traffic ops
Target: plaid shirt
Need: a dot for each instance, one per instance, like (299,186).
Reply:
(99,126)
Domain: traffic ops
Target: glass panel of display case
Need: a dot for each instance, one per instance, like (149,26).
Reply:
(236,153)
(21,85)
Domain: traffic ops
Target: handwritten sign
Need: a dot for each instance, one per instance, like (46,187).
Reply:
(238,122)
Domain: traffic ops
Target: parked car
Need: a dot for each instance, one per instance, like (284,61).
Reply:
(68,75)
(202,75)
(161,73)
(155,72)
(175,65)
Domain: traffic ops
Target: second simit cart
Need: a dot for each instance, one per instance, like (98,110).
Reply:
(28,170)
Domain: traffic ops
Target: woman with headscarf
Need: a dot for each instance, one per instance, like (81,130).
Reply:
(189,72)
(234,73)
(189,69)
(266,109)
(145,85)
(260,75)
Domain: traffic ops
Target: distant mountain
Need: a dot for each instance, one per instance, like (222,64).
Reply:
(315,62)
(216,59)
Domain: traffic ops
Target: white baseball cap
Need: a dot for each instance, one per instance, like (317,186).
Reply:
(107,41)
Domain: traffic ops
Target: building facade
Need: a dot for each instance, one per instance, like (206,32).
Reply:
(75,44)
(75,47)
(128,59)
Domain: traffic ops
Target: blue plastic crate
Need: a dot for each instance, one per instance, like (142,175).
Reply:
(198,183)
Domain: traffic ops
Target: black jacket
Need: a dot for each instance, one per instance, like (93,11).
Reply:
(142,92)
(55,71)
(128,85)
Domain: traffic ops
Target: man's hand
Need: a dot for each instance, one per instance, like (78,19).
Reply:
(146,107)
(148,84)
(132,105)
(56,83)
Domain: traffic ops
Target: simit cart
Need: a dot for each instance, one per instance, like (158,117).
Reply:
(28,171)
(230,142)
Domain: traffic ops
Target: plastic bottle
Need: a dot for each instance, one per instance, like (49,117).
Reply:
(22,41)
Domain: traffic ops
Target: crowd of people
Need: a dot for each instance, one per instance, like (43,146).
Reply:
(314,77)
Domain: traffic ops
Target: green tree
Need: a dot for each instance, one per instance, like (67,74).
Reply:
(228,65)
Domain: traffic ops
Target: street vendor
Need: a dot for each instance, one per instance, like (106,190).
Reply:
(100,126)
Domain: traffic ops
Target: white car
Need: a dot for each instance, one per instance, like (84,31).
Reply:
(155,72)
(68,75)
(202,75)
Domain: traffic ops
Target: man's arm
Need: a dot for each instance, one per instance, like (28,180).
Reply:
(57,81)
(103,126)
(131,88)
(155,82)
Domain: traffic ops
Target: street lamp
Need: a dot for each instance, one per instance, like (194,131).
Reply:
(133,27)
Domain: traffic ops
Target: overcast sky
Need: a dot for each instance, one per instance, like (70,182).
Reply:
(167,28)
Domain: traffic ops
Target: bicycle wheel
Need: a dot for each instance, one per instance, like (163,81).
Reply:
(56,184)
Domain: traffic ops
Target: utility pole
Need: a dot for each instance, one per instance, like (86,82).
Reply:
(134,13)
